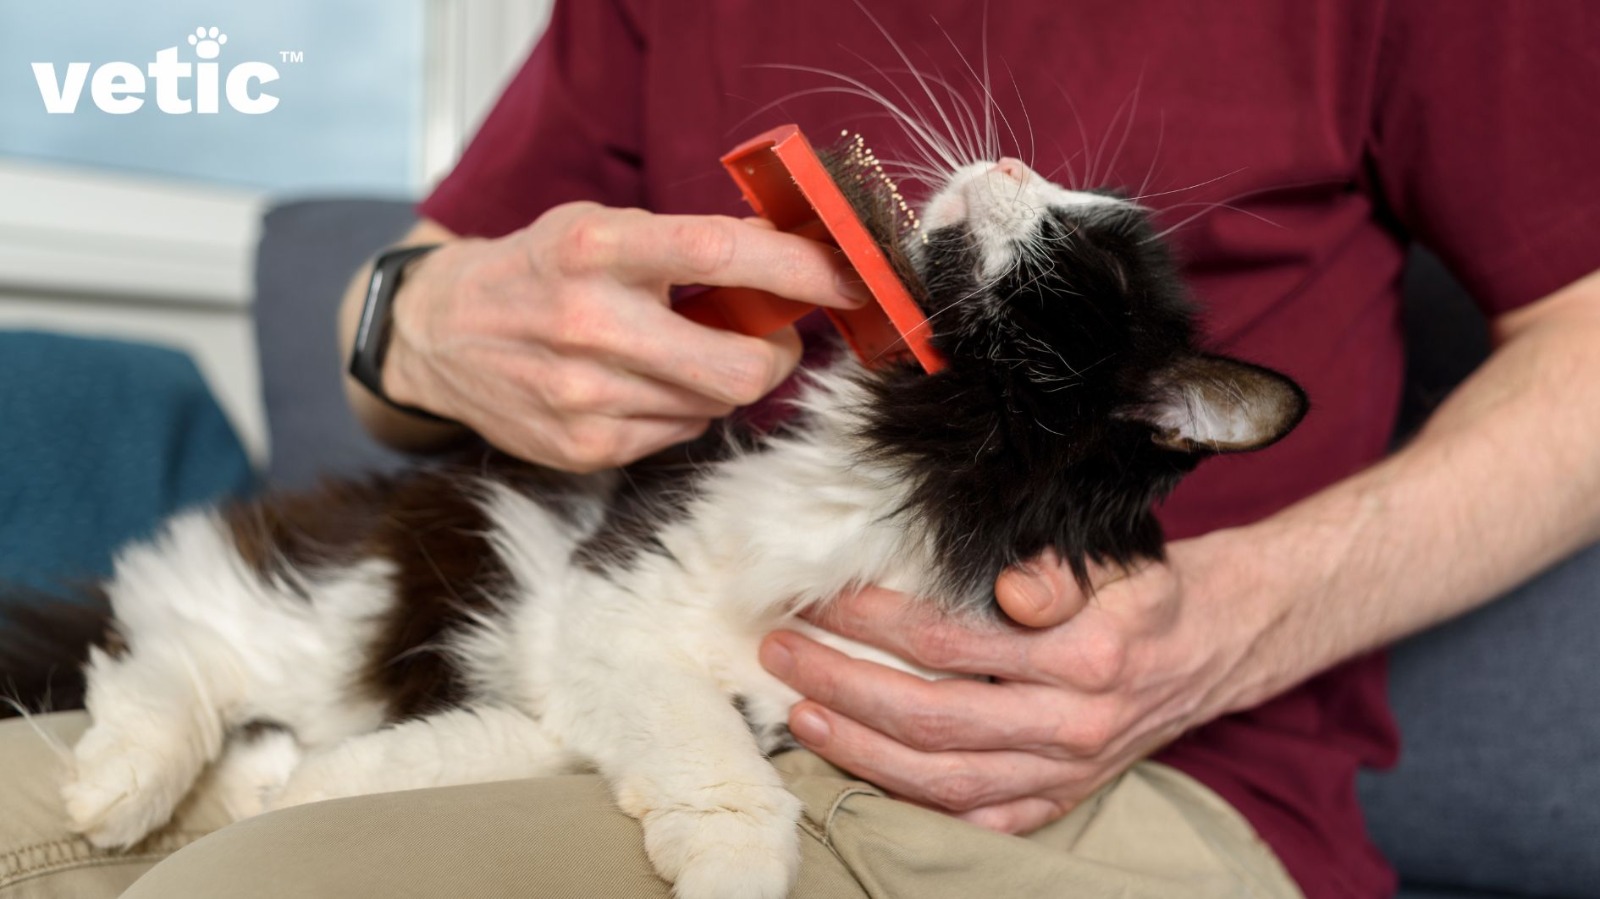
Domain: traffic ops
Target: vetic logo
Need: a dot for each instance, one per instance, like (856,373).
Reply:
(119,87)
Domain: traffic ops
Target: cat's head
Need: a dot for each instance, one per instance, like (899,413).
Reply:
(1071,299)
(1076,393)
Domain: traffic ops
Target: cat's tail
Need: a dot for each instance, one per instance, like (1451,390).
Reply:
(44,642)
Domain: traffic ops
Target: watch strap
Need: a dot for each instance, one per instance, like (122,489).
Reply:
(376,328)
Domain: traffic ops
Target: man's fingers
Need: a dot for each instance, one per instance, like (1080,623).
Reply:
(588,387)
(591,443)
(1019,816)
(726,252)
(956,781)
(729,368)
(886,619)
(643,436)
(1042,593)
(949,714)
(639,396)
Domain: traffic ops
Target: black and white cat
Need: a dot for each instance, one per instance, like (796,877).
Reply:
(490,620)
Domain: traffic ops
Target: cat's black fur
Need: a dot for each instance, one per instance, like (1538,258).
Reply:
(45,638)
(1017,446)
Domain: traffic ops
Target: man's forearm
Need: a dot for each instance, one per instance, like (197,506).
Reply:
(1503,481)
(393,427)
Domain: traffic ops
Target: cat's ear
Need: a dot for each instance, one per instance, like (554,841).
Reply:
(1213,404)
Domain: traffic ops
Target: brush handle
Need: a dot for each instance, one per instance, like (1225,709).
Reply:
(785,183)
(757,313)
(742,310)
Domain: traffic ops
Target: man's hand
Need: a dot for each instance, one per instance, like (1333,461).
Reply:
(1096,684)
(557,343)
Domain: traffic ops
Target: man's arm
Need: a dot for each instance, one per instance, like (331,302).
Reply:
(558,344)
(1503,481)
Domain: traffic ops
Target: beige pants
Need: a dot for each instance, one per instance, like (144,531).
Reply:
(1152,833)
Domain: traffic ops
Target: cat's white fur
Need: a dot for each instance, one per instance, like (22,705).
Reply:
(1001,204)
(629,672)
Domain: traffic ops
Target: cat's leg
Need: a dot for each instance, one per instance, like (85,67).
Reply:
(157,724)
(451,748)
(205,646)
(680,758)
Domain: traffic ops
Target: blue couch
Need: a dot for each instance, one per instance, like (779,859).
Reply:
(99,441)
(1498,790)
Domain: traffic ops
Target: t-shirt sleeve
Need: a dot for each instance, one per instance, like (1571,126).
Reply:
(1486,140)
(566,128)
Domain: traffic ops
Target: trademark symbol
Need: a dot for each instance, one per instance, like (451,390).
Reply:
(291,56)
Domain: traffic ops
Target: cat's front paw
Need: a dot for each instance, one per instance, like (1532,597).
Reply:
(122,790)
(743,844)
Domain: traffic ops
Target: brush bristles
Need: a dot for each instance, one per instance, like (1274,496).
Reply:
(859,157)
(888,216)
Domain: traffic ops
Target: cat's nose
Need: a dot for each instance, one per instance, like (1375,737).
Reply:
(1011,167)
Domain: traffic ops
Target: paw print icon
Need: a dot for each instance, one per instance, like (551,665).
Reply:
(207,42)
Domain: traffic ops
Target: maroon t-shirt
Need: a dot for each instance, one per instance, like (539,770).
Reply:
(1333,131)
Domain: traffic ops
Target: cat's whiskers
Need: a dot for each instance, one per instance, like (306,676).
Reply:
(1073,182)
(913,171)
(57,747)
(1083,135)
(1036,244)
(1047,427)
(1149,172)
(968,143)
(1126,112)
(991,146)
(993,430)
(1027,119)
(1179,190)
(1207,207)
(923,136)
(899,51)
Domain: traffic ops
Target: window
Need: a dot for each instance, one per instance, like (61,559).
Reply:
(350,115)
(143,225)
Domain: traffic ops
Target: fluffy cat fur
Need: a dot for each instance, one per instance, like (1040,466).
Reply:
(487,619)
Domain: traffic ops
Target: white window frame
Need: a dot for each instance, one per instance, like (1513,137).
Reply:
(473,49)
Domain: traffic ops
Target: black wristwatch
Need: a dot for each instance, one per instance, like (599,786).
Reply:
(377,324)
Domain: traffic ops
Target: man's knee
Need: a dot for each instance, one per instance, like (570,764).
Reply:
(556,836)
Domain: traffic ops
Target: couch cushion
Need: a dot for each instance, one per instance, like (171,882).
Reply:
(1498,786)
(307,254)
